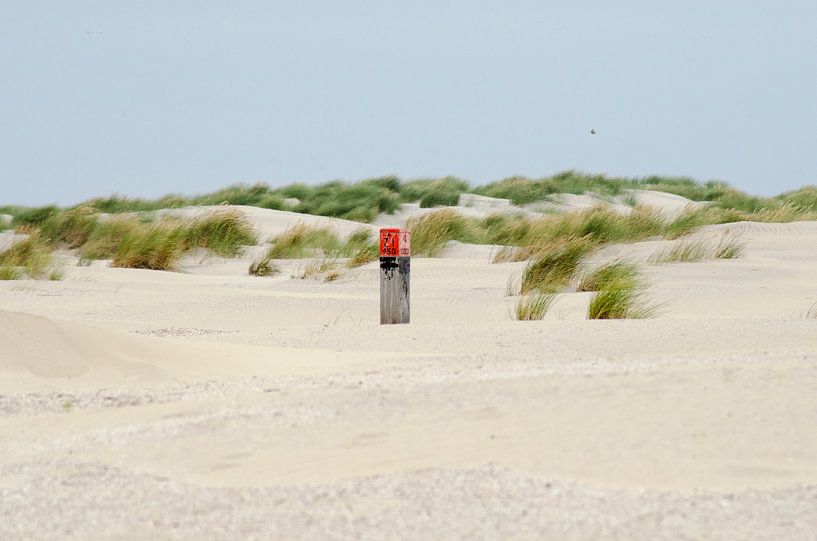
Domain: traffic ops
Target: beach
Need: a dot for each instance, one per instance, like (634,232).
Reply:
(207,403)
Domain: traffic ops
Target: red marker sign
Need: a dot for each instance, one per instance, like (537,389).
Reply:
(395,242)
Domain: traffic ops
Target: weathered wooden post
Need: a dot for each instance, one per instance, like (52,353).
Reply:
(395,272)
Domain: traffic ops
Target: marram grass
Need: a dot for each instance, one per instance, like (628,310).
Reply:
(553,265)
(224,233)
(687,251)
(432,231)
(156,247)
(533,306)
(616,300)
(30,256)
(603,277)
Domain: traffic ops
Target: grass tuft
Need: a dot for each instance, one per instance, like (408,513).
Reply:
(533,306)
(619,300)
(107,236)
(729,246)
(31,255)
(224,233)
(431,232)
(10,273)
(682,252)
(302,241)
(553,265)
(70,228)
(264,267)
(154,247)
(328,266)
(603,277)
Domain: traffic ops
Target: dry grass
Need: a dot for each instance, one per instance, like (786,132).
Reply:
(329,267)
(682,252)
(730,246)
(263,266)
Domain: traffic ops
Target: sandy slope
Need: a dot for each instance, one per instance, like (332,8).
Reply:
(211,404)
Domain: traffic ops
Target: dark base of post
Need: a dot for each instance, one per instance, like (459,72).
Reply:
(395,282)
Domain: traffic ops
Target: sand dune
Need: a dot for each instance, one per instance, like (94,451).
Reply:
(212,404)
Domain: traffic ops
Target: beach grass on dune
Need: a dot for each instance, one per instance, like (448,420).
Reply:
(106,237)
(533,306)
(620,299)
(301,241)
(8,272)
(27,257)
(431,232)
(70,228)
(553,265)
(224,233)
(263,266)
(602,277)
(682,252)
(730,246)
(365,199)
(328,266)
(153,247)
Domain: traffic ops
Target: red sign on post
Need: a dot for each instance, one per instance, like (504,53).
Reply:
(395,242)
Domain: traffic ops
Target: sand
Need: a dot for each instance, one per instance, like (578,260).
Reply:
(208,404)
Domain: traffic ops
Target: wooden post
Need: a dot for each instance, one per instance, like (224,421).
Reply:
(395,272)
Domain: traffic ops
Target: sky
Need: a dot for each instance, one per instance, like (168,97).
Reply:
(145,98)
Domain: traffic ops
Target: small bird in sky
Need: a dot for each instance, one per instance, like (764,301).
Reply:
(593,131)
(93,34)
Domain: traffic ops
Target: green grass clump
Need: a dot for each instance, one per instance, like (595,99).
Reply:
(302,241)
(804,198)
(525,237)
(620,297)
(682,252)
(523,190)
(10,273)
(116,203)
(603,277)
(71,228)
(33,216)
(224,233)
(430,232)
(106,237)
(533,306)
(360,249)
(154,247)
(32,255)
(430,192)
(361,201)
(553,265)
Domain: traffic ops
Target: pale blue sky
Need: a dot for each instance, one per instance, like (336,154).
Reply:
(149,97)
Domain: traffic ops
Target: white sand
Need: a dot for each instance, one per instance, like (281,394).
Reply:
(211,404)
